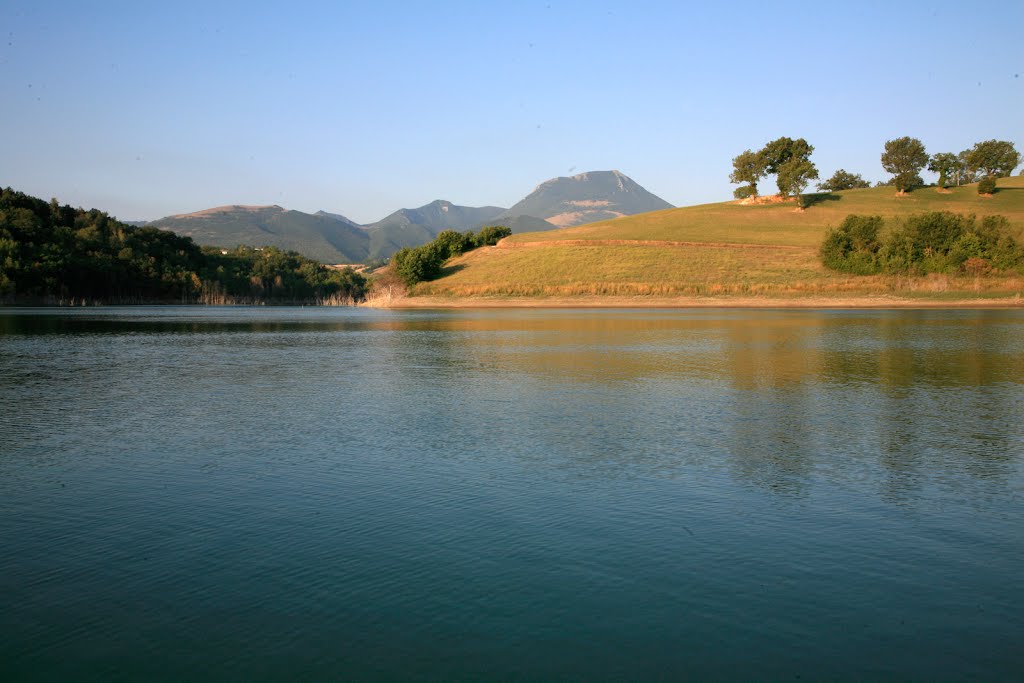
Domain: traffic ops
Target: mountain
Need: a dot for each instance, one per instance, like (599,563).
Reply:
(326,238)
(585,198)
(412,227)
(333,238)
(522,223)
(338,217)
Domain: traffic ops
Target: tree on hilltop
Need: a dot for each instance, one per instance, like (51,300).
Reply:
(904,158)
(947,165)
(781,153)
(842,180)
(748,167)
(995,158)
(794,176)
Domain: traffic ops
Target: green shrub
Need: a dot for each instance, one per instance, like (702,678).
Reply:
(853,247)
(744,191)
(418,264)
(491,235)
(987,186)
(423,263)
(936,242)
(451,243)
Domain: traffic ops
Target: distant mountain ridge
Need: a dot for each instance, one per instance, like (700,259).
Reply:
(412,227)
(334,238)
(319,237)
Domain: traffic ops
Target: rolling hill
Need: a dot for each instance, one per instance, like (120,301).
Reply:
(714,249)
(326,238)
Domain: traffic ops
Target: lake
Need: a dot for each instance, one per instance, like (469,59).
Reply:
(325,494)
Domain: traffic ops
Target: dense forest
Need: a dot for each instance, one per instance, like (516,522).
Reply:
(59,254)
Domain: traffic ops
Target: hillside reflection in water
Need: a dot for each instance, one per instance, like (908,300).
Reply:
(383,493)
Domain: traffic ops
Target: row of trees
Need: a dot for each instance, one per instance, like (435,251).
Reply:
(904,158)
(935,242)
(787,159)
(423,263)
(49,251)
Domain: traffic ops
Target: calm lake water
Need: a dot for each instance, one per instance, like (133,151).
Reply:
(284,493)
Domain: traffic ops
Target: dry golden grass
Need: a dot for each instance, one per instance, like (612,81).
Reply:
(719,250)
(782,224)
(559,270)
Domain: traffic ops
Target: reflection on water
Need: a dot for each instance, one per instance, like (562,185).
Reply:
(350,493)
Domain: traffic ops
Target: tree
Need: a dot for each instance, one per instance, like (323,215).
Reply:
(987,185)
(744,192)
(968,173)
(452,243)
(794,176)
(780,152)
(853,247)
(748,167)
(418,264)
(904,158)
(947,165)
(841,180)
(491,235)
(996,158)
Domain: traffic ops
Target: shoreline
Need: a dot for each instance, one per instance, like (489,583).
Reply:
(851,302)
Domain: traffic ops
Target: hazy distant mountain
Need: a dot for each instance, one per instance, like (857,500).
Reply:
(333,238)
(413,227)
(522,223)
(325,238)
(338,217)
(585,198)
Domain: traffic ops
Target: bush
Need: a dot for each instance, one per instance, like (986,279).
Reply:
(924,241)
(491,235)
(418,264)
(843,180)
(987,186)
(937,242)
(451,243)
(853,247)
(744,192)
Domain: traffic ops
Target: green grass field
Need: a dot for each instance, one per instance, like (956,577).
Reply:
(780,256)
(782,224)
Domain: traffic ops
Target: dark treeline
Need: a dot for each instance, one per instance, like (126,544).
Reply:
(53,253)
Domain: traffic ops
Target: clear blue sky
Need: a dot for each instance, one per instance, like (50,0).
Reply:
(145,109)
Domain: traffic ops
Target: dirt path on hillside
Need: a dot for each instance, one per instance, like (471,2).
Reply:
(506,244)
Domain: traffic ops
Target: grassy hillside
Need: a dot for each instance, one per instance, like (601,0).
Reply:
(718,249)
(782,224)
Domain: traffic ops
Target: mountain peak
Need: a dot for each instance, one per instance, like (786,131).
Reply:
(229,208)
(588,197)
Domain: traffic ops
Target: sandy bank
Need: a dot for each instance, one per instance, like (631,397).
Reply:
(866,302)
